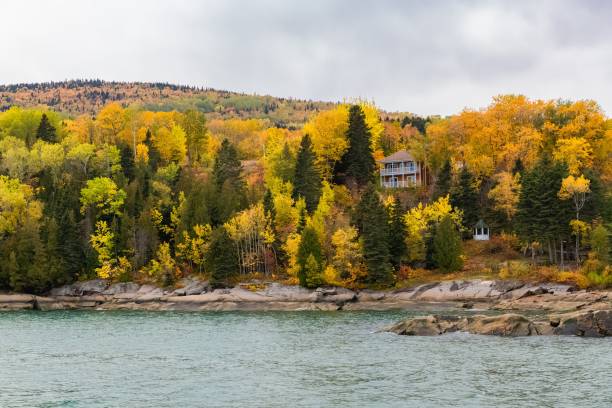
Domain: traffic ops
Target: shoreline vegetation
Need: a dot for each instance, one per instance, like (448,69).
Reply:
(162,185)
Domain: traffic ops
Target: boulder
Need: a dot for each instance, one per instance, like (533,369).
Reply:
(122,287)
(596,323)
(92,287)
(512,325)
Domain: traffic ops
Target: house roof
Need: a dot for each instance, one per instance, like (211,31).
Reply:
(481,224)
(399,156)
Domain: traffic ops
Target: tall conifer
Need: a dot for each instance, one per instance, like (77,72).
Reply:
(357,163)
(307,181)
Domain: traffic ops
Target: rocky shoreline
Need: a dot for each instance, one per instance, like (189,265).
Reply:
(197,295)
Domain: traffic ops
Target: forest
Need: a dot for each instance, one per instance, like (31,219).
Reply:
(152,195)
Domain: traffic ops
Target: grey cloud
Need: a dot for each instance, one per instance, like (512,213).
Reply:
(420,56)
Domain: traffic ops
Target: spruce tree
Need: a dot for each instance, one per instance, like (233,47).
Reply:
(309,258)
(222,259)
(447,246)
(357,163)
(397,234)
(444,181)
(541,215)
(46,131)
(230,185)
(373,225)
(154,155)
(307,181)
(465,197)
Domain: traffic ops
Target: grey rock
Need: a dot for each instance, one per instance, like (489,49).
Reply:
(122,287)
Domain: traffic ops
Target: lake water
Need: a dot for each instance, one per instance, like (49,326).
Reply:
(280,359)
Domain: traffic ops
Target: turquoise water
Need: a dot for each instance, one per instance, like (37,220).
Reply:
(301,359)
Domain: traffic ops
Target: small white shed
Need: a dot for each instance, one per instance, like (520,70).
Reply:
(481,231)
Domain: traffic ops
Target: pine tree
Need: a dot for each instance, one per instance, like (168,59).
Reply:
(447,246)
(223,260)
(357,163)
(372,223)
(465,197)
(309,259)
(307,180)
(397,234)
(46,131)
(444,181)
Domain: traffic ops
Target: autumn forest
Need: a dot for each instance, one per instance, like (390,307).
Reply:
(167,183)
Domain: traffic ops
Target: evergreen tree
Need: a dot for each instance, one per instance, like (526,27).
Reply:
(307,180)
(373,225)
(223,260)
(465,197)
(46,131)
(230,185)
(447,246)
(541,215)
(444,181)
(518,167)
(357,163)
(154,155)
(309,259)
(397,234)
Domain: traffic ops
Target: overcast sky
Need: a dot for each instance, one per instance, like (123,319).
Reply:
(427,57)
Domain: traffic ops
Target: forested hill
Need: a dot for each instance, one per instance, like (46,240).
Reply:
(77,97)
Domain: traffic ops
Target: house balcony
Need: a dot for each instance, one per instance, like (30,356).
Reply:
(394,171)
(399,184)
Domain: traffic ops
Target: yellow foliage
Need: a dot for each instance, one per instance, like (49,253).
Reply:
(505,195)
(575,152)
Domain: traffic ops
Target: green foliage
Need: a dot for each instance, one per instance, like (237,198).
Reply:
(103,194)
(447,246)
(309,259)
(46,131)
(397,234)
(307,181)
(372,222)
(223,259)
(444,181)
(464,196)
(358,163)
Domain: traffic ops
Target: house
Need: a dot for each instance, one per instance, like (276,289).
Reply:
(481,231)
(401,170)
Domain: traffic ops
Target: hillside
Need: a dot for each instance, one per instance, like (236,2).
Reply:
(76,97)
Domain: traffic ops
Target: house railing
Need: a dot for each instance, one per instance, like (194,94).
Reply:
(398,170)
(399,184)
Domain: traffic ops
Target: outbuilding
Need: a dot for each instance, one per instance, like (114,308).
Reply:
(481,231)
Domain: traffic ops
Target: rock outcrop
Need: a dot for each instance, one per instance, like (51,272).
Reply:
(194,294)
(585,324)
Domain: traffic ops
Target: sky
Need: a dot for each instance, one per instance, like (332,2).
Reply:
(425,57)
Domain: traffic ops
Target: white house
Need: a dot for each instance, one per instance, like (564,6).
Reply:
(401,170)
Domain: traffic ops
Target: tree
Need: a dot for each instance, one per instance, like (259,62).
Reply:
(576,188)
(307,182)
(372,223)
(541,215)
(465,197)
(103,194)
(447,246)
(223,260)
(358,162)
(444,180)
(230,186)
(600,244)
(309,258)
(46,131)
(505,194)
(194,124)
(397,233)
